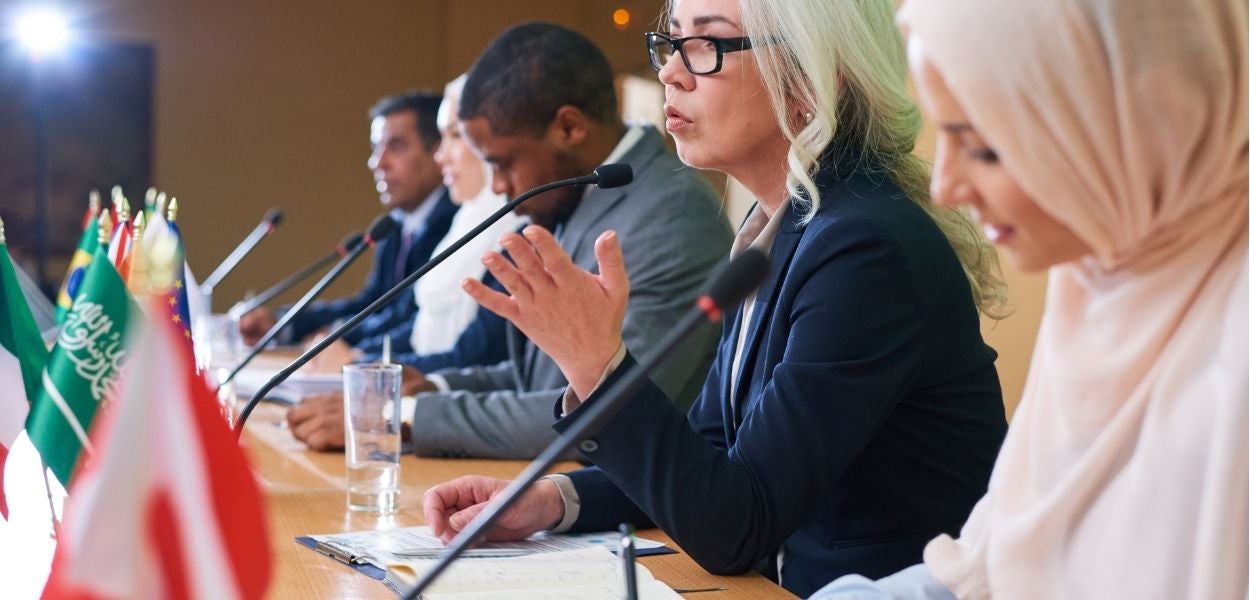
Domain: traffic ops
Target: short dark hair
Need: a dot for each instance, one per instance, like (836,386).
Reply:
(533,69)
(424,103)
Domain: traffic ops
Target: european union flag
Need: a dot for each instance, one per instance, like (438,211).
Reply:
(179,312)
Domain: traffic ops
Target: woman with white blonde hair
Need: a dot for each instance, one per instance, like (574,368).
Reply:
(1105,140)
(853,410)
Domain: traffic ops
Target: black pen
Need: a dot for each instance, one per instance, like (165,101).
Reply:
(627,559)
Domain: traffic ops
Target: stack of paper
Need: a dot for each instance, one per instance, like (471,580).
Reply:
(572,575)
(401,544)
(292,390)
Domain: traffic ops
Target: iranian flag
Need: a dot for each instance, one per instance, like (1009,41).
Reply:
(22,356)
(83,368)
(167,507)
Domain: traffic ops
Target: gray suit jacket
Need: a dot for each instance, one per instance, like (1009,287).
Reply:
(673,233)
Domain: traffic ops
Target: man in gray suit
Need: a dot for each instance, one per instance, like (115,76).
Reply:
(539,105)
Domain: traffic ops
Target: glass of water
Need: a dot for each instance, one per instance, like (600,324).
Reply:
(372,417)
(217,341)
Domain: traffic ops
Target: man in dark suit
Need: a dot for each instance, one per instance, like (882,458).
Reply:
(404,134)
(539,105)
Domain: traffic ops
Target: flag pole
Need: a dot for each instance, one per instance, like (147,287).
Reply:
(56,523)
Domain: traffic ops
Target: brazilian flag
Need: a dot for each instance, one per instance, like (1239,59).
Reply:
(87,245)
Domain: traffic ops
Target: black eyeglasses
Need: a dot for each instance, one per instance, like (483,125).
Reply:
(702,54)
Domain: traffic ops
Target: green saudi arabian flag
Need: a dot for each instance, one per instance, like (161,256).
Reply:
(83,369)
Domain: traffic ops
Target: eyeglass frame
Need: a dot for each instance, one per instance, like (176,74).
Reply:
(723,46)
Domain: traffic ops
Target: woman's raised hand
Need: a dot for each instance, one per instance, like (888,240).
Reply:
(572,315)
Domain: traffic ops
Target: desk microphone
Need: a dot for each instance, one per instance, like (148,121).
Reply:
(605,176)
(267,224)
(248,305)
(737,279)
(381,227)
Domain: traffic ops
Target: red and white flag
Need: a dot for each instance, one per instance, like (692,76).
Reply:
(167,507)
(121,248)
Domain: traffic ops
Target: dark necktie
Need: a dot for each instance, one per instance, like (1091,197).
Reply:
(401,257)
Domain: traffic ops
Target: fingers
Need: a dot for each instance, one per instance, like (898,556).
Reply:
(443,501)
(318,421)
(555,261)
(526,260)
(299,414)
(255,323)
(326,437)
(513,280)
(303,430)
(612,264)
(461,519)
(435,510)
(413,381)
(249,327)
(495,302)
(319,434)
(451,507)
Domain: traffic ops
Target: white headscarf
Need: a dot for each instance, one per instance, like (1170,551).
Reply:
(444,310)
(1124,473)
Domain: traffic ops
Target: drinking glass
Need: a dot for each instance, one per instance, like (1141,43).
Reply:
(372,417)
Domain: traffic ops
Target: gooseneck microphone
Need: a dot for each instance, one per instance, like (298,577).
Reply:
(381,227)
(605,176)
(248,305)
(271,220)
(734,282)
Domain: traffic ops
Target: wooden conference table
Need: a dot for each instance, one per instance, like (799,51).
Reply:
(305,493)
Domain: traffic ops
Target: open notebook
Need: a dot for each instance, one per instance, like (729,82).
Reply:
(574,575)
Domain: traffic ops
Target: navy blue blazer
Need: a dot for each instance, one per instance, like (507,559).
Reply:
(869,411)
(395,319)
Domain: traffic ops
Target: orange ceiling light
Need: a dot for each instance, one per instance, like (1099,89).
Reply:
(621,18)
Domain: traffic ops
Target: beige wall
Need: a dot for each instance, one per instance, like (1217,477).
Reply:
(1013,337)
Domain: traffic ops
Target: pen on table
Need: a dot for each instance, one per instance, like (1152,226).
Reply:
(333,551)
(627,560)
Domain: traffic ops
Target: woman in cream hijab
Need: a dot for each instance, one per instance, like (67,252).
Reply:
(1106,140)
(445,309)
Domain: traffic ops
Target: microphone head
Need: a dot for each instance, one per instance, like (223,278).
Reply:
(613,175)
(350,242)
(738,278)
(273,217)
(380,228)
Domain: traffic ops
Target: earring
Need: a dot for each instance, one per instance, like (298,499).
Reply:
(809,116)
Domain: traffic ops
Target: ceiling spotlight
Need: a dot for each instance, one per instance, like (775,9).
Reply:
(42,32)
